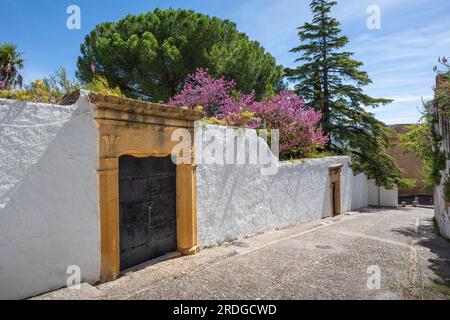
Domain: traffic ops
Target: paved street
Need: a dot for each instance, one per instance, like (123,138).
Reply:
(327,259)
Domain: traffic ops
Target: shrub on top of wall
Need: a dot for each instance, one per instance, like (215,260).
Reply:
(300,133)
(53,89)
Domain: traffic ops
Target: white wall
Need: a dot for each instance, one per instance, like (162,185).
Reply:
(388,198)
(359,192)
(442,212)
(235,201)
(48,196)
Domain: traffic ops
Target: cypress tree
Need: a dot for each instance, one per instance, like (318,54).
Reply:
(331,81)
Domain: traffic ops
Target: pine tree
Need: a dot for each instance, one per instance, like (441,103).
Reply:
(330,81)
(150,56)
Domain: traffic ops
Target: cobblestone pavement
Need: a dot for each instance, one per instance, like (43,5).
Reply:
(335,258)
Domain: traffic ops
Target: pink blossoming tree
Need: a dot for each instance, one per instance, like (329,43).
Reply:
(300,133)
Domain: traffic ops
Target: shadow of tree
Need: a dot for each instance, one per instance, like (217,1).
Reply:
(427,236)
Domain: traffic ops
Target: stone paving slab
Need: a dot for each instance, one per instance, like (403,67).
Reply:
(326,259)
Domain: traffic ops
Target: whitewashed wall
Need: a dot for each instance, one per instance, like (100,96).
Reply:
(48,196)
(235,201)
(388,198)
(358,193)
(442,211)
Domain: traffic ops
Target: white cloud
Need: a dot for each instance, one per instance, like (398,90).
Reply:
(399,58)
(411,98)
(400,64)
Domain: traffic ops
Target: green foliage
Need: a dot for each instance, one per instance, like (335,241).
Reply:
(10,63)
(442,90)
(58,85)
(369,154)
(38,91)
(442,93)
(53,88)
(19,94)
(48,90)
(150,56)
(447,190)
(100,84)
(417,139)
(324,154)
(407,183)
(331,81)
(433,168)
(423,141)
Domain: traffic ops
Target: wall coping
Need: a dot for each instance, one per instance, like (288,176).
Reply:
(132,106)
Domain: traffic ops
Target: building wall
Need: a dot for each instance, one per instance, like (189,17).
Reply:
(442,127)
(49,201)
(387,198)
(358,194)
(442,211)
(48,196)
(410,164)
(235,201)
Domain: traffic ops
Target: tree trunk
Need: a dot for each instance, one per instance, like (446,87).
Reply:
(326,93)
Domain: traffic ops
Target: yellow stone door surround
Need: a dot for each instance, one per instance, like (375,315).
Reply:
(140,129)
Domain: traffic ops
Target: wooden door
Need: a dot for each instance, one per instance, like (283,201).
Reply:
(147,206)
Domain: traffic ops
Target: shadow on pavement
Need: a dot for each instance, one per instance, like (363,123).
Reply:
(427,236)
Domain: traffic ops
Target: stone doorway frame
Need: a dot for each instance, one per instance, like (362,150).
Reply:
(335,193)
(140,129)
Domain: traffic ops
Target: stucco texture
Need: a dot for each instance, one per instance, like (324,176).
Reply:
(379,196)
(48,196)
(235,201)
(441,205)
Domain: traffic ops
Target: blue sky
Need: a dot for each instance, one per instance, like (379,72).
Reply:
(399,57)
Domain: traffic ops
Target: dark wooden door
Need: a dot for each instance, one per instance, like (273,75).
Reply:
(147,200)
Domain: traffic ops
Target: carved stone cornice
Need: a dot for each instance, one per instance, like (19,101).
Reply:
(131,109)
